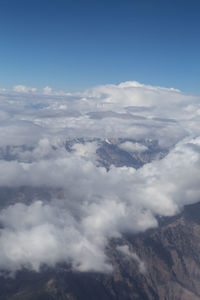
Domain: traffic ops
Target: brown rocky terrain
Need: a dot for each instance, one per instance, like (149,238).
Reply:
(171,254)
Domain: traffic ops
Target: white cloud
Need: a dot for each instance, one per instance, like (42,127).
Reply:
(97,204)
(129,110)
(47,90)
(42,233)
(23,89)
(133,147)
(86,150)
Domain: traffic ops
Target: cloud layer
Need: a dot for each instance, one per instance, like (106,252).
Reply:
(97,204)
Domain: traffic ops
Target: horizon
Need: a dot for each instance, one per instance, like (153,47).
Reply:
(20,89)
(75,45)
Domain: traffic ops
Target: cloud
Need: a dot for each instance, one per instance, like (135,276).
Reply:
(47,90)
(23,89)
(43,234)
(133,147)
(127,110)
(96,204)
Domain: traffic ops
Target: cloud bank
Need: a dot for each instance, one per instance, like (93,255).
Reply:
(97,204)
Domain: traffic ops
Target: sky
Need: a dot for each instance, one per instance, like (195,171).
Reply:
(73,45)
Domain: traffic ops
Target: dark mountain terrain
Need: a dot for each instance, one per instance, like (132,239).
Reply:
(110,152)
(171,254)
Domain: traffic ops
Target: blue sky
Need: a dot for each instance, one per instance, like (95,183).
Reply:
(76,44)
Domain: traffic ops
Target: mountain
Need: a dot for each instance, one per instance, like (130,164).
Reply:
(122,151)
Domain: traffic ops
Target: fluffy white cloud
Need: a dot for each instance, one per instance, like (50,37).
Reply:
(97,204)
(133,147)
(23,89)
(127,110)
(45,234)
(47,90)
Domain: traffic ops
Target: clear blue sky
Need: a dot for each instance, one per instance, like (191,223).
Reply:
(75,44)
